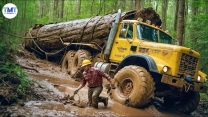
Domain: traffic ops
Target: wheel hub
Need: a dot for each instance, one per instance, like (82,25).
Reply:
(126,87)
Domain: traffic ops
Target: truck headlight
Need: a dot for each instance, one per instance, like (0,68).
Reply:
(165,69)
(199,78)
(205,79)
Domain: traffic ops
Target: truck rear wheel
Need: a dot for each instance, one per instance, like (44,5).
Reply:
(134,86)
(187,105)
(67,61)
(80,55)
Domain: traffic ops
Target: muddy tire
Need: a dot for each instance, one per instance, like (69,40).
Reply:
(134,86)
(188,104)
(80,55)
(67,61)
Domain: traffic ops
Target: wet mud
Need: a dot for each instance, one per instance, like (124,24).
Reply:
(56,85)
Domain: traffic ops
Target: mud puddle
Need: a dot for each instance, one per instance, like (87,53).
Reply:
(66,86)
(56,85)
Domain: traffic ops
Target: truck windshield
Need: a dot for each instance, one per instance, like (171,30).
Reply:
(164,38)
(151,34)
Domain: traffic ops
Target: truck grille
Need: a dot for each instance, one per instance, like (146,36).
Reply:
(187,65)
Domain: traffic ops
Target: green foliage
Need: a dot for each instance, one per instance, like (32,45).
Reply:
(2,51)
(13,73)
(204,95)
(196,30)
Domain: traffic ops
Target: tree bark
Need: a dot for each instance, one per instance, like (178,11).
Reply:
(131,5)
(56,8)
(194,10)
(176,14)
(180,23)
(123,4)
(78,7)
(62,9)
(164,13)
(95,29)
(139,4)
(51,13)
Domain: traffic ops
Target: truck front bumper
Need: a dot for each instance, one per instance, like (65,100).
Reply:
(181,83)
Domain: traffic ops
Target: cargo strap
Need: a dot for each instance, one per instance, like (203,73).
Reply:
(47,53)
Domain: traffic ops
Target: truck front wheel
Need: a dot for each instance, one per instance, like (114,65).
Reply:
(134,86)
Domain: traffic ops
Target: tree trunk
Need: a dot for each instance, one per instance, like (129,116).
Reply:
(62,9)
(123,4)
(176,12)
(78,7)
(180,23)
(139,4)
(164,13)
(115,5)
(131,5)
(56,8)
(104,6)
(51,13)
(101,5)
(194,9)
(95,29)
(40,8)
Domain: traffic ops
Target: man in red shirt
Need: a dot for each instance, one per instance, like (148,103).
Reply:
(93,76)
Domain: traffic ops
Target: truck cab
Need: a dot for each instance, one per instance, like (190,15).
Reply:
(148,64)
(135,37)
(131,33)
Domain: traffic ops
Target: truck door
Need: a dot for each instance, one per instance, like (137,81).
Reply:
(122,44)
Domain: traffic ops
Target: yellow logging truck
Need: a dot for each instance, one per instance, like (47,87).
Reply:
(144,62)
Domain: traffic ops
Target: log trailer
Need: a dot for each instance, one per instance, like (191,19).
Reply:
(144,62)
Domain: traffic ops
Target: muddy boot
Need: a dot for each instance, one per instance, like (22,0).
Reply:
(95,102)
(95,105)
(105,101)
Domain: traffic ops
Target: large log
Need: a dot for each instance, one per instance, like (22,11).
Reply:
(95,29)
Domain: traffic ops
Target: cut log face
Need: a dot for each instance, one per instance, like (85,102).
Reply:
(95,29)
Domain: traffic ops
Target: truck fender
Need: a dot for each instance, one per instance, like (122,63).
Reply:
(142,60)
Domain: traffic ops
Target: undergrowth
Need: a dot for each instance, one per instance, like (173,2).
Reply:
(13,80)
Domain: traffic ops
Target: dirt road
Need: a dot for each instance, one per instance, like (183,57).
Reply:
(56,85)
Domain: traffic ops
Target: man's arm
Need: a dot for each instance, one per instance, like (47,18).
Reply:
(80,86)
(107,77)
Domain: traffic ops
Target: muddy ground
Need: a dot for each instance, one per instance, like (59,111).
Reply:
(53,89)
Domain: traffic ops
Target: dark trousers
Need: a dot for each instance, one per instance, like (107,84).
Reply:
(94,96)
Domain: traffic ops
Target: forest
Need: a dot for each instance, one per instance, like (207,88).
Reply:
(184,19)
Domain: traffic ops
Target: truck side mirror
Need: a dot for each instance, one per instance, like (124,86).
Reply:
(123,32)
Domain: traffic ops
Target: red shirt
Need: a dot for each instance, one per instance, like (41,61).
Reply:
(94,77)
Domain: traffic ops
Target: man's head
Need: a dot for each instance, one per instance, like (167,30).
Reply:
(86,64)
